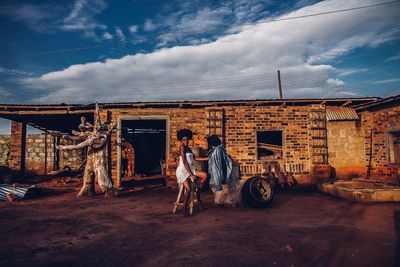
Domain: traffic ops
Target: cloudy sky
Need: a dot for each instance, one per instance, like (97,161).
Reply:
(84,51)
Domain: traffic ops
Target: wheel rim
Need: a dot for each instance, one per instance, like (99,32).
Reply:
(260,190)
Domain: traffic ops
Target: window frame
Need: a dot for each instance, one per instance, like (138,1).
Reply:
(283,142)
(389,142)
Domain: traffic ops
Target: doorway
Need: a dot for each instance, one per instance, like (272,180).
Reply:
(148,139)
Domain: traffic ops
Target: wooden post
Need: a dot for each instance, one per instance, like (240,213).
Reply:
(56,158)
(45,153)
(370,154)
(280,84)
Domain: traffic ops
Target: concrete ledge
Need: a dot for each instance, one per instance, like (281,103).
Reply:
(362,191)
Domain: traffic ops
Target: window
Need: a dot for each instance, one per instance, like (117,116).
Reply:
(269,145)
(394,147)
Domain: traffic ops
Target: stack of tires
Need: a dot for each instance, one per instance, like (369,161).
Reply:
(257,192)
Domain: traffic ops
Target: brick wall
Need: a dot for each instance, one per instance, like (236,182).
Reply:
(4,149)
(17,145)
(35,154)
(36,151)
(241,124)
(379,121)
(346,151)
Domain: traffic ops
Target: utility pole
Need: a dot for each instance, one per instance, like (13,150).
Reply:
(280,84)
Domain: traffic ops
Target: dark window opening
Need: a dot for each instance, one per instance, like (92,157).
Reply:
(394,147)
(148,140)
(270,145)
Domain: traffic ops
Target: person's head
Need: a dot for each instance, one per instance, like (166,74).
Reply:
(213,140)
(83,120)
(184,135)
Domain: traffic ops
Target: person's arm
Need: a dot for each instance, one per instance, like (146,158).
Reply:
(185,163)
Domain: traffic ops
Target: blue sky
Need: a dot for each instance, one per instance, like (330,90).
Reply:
(85,51)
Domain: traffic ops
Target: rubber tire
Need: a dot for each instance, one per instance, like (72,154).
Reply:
(251,194)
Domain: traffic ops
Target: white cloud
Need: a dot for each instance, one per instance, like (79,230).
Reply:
(51,18)
(335,82)
(14,72)
(347,72)
(119,34)
(236,66)
(133,28)
(393,58)
(35,17)
(387,81)
(82,17)
(149,25)
(107,36)
(4,93)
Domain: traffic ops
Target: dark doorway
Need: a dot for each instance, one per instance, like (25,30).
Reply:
(148,139)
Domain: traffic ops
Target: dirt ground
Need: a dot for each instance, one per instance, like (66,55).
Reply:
(138,229)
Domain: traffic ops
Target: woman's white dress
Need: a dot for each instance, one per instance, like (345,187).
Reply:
(181,173)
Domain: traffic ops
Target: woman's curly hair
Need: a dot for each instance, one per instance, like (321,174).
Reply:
(213,140)
(184,132)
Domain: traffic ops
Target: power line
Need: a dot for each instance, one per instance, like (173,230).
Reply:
(187,32)
(239,78)
(302,81)
(327,12)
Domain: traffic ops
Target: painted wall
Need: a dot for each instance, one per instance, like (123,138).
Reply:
(346,148)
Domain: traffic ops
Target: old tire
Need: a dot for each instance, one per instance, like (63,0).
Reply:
(257,192)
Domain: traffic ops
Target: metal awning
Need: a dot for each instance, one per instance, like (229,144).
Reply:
(341,114)
(48,118)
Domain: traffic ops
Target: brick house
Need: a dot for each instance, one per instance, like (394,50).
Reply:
(298,134)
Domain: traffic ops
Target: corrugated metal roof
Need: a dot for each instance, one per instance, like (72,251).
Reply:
(20,192)
(391,100)
(341,114)
(91,105)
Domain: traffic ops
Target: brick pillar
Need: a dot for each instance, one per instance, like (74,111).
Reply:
(17,146)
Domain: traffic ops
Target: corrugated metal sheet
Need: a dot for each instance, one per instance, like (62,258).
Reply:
(341,114)
(91,105)
(20,192)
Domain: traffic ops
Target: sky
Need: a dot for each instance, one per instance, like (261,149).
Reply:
(84,51)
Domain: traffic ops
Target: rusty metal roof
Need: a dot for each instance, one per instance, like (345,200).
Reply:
(90,106)
(379,103)
(341,114)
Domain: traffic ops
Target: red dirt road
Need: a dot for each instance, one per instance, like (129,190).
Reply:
(138,229)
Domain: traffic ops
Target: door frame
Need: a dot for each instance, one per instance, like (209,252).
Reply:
(127,118)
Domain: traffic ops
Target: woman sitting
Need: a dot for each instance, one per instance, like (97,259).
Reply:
(186,168)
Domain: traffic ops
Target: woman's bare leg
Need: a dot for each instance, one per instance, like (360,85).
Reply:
(203,178)
(186,196)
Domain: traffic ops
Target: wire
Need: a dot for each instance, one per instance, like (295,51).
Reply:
(238,78)
(328,12)
(302,81)
(182,32)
